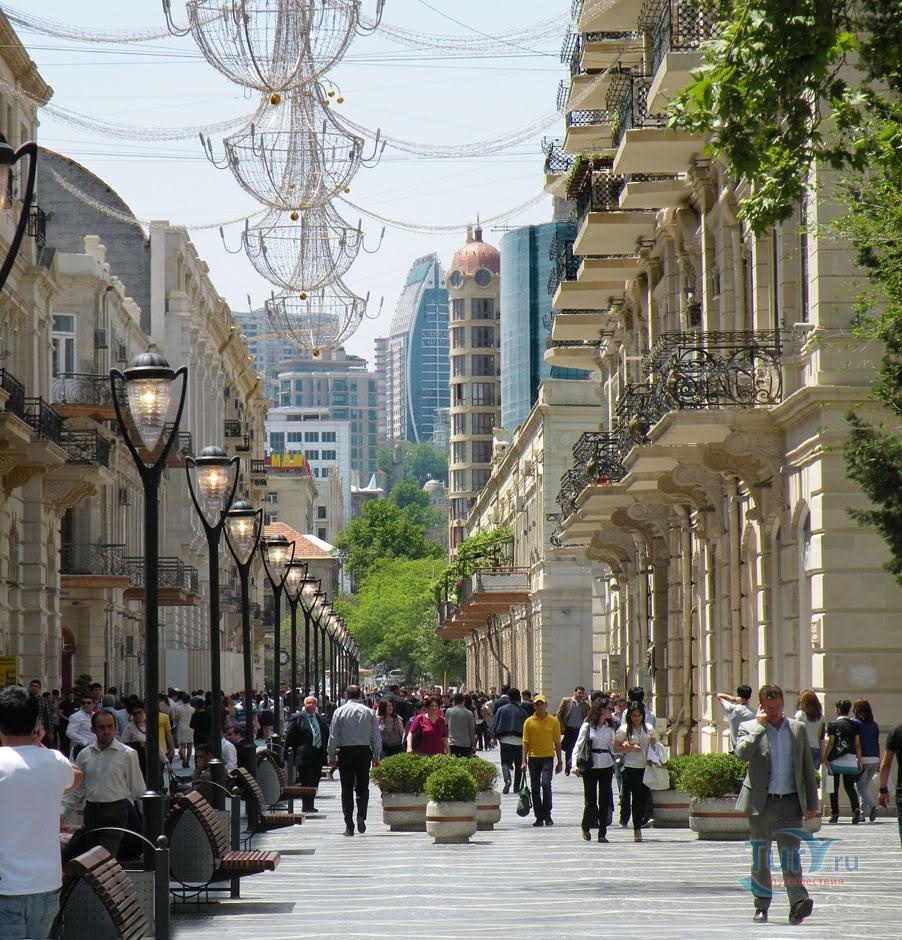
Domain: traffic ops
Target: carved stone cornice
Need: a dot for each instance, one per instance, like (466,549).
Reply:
(64,492)
(21,474)
(614,547)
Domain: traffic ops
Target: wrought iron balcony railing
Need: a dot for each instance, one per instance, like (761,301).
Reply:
(600,192)
(589,117)
(86,447)
(37,225)
(680,26)
(81,388)
(574,44)
(599,455)
(556,161)
(571,486)
(171,573)
(564,264)
(78,558)
(232,428)
(43,420)
(628,96)
(258,466)
(563,93)
(15,404)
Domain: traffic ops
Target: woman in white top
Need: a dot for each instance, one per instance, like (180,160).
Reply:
(184,733)
(599,729)
(633,741)
(811,714)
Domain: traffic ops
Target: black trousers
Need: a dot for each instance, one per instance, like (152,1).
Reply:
(98,815)
(541,770)
(308,776)
(512,754)
(598,798)
(570,736)
(458,751)
(639,797)
(354,769)
(848,781)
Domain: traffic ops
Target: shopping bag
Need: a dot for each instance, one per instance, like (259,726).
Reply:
(524,803)
(656,777)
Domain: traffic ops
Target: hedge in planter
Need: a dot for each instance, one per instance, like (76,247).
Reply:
(484,772)
(671,806)
(451,812)
(402,780)
(488,799)
(714,780)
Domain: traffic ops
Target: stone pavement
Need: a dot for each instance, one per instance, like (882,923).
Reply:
(541,883)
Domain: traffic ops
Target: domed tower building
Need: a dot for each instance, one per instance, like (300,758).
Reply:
(474,332)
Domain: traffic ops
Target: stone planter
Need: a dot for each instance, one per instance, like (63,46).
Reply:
(717,819)
(671,809)
(452,822)
(488,809)
(404,812)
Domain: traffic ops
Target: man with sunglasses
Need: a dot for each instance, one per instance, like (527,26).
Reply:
(79,730)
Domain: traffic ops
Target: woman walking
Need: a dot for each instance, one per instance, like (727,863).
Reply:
(811,714)
(633,741)
(869,732)
(599,729)
(391,728)
(184,733)
(428,733)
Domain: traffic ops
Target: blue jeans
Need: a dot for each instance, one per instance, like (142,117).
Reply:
(27,915)
(861,785)
(541,770)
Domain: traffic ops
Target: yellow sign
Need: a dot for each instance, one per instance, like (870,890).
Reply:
(9,670)
(292,461)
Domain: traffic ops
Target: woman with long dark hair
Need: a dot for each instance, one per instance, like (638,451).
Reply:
(811,714)
(599,729)
(869,732)
(633,741)
(391,728)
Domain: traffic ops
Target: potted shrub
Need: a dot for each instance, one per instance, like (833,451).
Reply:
(402,779)
(713,782)
(671,806)
(488,799)
(451,810)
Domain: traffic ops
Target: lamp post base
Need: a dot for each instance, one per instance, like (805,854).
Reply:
(153,805)
(247,757)
(217,776)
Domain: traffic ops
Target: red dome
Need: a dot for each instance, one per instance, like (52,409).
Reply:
(476,254)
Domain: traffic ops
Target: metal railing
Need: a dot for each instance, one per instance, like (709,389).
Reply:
(81,388)
(258,466)
(681,26)
(86,558)
(556,161)
(600,192)
(171,573)
(43,420)
(86,447)
(599,455)
(628,96)
(590,117)
(232,428)
(37,225)
(15,404)
(564,264)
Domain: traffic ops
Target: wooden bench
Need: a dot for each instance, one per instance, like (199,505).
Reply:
(98,900)
(273,780)
(258,816)
(200,853)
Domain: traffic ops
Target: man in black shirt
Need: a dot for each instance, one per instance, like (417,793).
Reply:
(892,749)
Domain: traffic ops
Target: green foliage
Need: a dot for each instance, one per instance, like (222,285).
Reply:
(436,658)
(451,783)
(381,532)
(489,549)
(402,773)
(711,775)
(484,772)
(418,463)
(82,686)
(675,768)
(414,502)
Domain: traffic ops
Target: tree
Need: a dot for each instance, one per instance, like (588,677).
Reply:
(382,532)
(414,502)
(424,462)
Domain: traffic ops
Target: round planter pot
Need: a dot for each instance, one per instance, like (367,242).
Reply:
(671,809)
(452,822)
(404,812)
(488,809)
(717,819)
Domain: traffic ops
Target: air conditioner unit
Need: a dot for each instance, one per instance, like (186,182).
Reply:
(100,339)
(612,671)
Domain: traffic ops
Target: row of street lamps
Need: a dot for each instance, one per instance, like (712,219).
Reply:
(142,397)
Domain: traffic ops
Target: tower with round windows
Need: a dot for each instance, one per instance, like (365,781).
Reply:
(474,334)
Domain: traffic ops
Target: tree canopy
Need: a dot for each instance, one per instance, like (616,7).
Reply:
(419,463)
(414,502)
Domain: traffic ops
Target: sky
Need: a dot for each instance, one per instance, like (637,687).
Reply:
(411,94)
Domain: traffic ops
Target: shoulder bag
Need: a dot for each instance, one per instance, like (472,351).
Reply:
(584,754)
(524,802)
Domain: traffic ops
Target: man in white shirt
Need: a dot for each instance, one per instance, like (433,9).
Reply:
(112,777)
(737,709)
(32,782)
(79,730)
(229,754)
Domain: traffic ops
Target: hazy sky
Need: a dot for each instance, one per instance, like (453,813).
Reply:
(416,95)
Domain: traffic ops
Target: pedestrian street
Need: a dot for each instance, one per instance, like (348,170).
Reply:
(518,881)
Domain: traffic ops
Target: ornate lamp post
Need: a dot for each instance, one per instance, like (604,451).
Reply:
(8,159)
(243,526)
(322,617)
(278,553)
(310,597)
(147,383)
(295,581)
(216,477)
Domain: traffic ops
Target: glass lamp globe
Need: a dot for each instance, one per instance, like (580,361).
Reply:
(294,578)
(148,385)
(241,520)
(278,552)
(212,479)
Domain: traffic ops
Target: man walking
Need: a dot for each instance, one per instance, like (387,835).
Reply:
(112,777)
(892,749)
(571,714)
(44,715)
(779,792)
(33,780)
(79,730)
(507,729)
(308,734)
(736,708)
(354,735)
(461,728)
(541,744)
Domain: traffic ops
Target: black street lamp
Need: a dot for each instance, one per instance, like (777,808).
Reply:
(147,383)
(312,600)
(243,526)
(212,496)
(295,583)
(322,617)
(278,554)
(8,159)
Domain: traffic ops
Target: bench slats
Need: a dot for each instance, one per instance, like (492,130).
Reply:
(252,792)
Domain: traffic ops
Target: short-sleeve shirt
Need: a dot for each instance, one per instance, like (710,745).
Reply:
(32,782)
(894,744)
(541,735)
(432,734)
(460,725)
(844,731)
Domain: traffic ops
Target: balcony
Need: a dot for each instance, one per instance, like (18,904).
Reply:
(557,166)
(616,15)
(258,466)
(571,354)
(92,565)
(614,233)
(14,391)
(232,428)
(86,448)
(608,273)
(83,395)
(579,325)
(493,591)
(177,583)
(564,264)
(647,191)
(44,422)
(676,33)
(37,226)
(588,130)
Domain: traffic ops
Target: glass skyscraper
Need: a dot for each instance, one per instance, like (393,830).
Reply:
(526,318)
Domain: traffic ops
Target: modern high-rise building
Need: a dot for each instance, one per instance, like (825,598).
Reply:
(272,353)
(529,276)
(474,290)
(414,357)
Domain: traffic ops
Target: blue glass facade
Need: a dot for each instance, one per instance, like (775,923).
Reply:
(526,318)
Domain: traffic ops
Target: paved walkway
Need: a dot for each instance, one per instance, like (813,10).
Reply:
(520,882)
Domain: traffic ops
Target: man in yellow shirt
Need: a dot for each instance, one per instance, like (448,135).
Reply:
(541,744)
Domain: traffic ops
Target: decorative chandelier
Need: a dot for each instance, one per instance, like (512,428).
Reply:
(323,321)
(297,156)
(302,254)
(272,45)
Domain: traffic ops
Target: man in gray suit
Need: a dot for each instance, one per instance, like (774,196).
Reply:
(779,791)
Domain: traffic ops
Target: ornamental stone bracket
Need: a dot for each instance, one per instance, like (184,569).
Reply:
(613,546)
(10,460)
(21,473)
(65,487)
(755,457)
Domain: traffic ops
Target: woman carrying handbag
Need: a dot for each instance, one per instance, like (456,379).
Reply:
(594,750)
(633,741)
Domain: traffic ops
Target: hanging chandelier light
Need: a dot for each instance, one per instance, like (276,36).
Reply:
(272,45)
(302,251)
(296,156)
(325,320)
